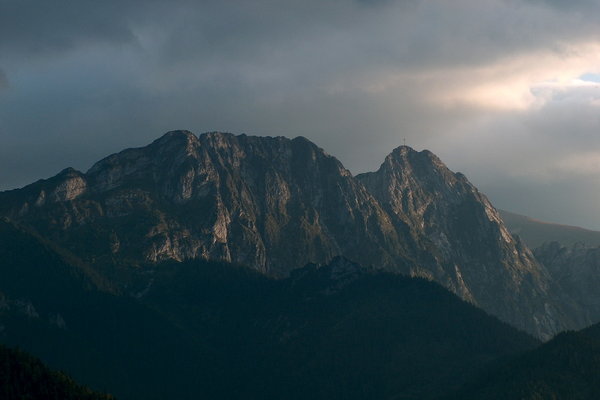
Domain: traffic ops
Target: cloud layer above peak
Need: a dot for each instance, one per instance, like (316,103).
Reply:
(502,90)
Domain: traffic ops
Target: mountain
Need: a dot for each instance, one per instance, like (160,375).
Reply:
(25,377)
(202,329)
(535,232)
(473,253)
(270,203)
(276,204)
(566,368)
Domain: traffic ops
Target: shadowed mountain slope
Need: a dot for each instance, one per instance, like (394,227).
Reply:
(200,329)
(51,307)
(338,331)
(25,377)
(566,368)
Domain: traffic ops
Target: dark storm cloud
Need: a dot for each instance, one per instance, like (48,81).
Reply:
(356,76)
(385,32)
(28,26)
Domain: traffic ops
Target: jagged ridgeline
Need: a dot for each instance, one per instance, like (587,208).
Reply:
(275,204)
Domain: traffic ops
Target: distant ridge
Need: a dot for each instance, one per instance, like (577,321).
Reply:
(535,232)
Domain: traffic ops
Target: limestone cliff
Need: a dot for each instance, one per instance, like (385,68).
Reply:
(475,255)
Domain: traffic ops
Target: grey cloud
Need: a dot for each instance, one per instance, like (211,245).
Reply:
(276,50)
(116,74)
(3,80)
(46,27)
(569,202)
(517,160)
(573,5)
(264,32)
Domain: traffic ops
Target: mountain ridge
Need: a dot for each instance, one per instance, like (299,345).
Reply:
(276,204)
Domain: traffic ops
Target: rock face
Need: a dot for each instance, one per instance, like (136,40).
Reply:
(270,203)
(276,204)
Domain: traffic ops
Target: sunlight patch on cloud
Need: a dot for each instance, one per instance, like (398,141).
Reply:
(580,164)
(518,83)
(526,82)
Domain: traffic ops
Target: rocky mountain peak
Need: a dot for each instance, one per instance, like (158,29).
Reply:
(69,172)
(71,184)
(149,168)
(67,185)
(404,151)
(421,167)
(172,143)
(176,135)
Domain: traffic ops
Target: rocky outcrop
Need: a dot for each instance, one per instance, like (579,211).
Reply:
(474,254)
(276,204)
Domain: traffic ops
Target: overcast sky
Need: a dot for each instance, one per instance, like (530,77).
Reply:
(505,91)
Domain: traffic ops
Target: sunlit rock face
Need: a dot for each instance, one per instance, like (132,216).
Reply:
(276,204)
(273,204)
